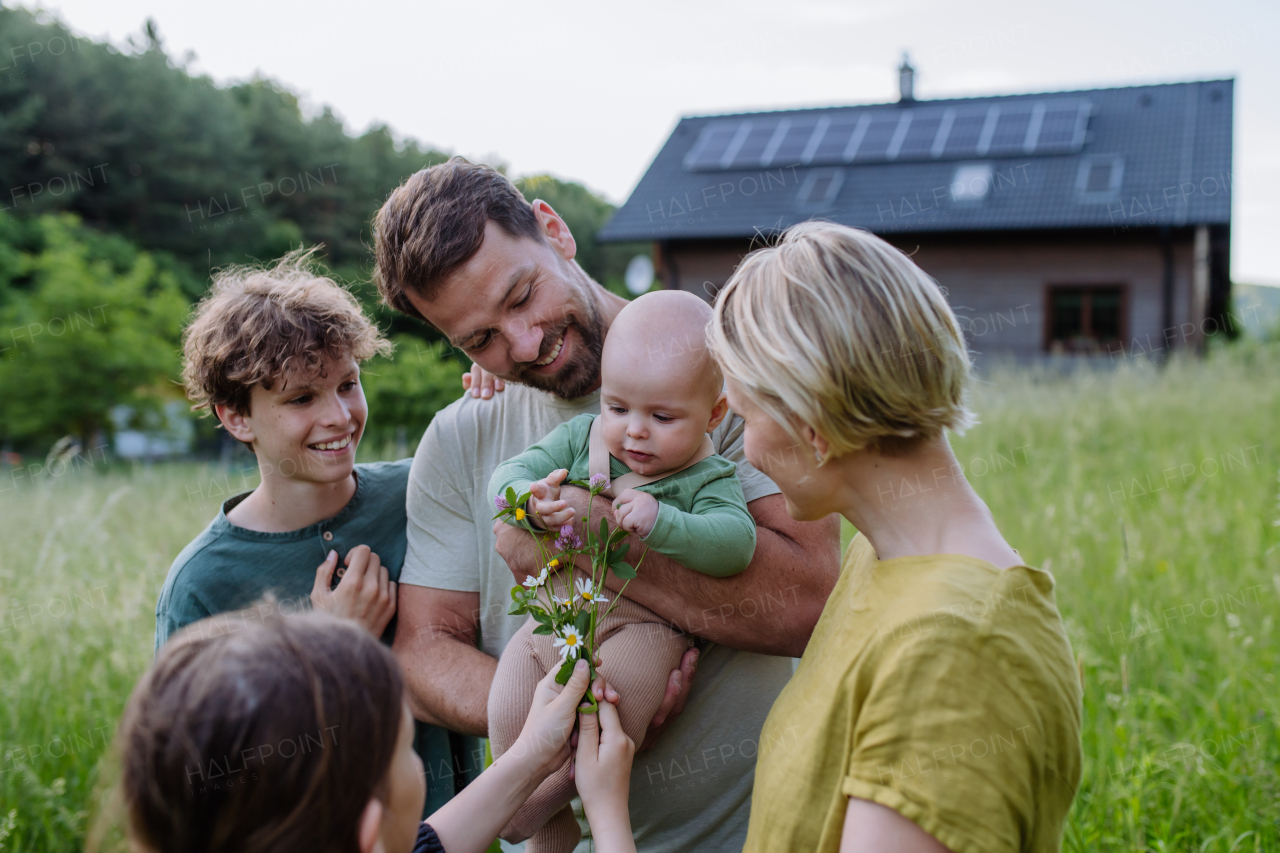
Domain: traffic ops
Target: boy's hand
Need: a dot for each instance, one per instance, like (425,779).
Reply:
(481,383)
(544,502)
(602,772)
(636,511)
(365,593)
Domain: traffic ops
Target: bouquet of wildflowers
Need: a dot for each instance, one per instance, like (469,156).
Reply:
(569,615)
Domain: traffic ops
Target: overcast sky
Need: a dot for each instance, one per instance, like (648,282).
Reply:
(589,91)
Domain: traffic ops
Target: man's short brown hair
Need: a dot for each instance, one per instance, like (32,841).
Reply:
(434,222)
(255,325)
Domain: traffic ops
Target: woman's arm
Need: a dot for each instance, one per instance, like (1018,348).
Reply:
(872,828)
(472,820)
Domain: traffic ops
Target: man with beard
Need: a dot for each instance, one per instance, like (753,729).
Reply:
(458,246)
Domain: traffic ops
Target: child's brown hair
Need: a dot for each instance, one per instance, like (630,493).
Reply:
(257,324)
(257,734)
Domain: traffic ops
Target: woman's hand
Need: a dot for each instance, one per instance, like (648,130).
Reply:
(602,771)
(544,740)
(481,383)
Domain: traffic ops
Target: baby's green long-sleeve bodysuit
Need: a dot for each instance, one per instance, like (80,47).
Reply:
(702,523)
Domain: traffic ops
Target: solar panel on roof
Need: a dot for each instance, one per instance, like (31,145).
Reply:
(710,146)
(791,146)
(918,142)
(1000,129)
(875,141)
(835,140)
(1010,132)
(753,144)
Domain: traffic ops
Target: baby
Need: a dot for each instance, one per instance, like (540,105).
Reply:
(661,394)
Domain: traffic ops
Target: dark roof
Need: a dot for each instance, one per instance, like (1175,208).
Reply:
(1098,158)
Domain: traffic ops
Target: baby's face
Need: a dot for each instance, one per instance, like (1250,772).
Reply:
(651,421)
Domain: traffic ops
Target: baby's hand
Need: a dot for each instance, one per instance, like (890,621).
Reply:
(636,511)
(544,502)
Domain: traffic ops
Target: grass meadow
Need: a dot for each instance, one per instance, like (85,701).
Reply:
(1150,493)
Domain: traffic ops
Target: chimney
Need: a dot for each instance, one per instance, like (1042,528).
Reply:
(906,80)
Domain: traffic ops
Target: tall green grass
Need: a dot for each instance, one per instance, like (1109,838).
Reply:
(1171,597)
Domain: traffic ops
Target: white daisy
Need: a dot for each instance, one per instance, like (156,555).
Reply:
(532,582)
(589,593)
(569,643)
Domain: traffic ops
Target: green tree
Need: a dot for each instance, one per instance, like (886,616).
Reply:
(586,213)
(86,323)
(405,391)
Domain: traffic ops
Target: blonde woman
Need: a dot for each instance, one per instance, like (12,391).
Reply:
(937,705)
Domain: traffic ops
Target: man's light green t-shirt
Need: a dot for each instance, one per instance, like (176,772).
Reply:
(702,523)
(940,687)
(692,791)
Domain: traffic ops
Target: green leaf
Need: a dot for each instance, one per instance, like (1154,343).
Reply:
(517,609)
(544,630)
(604,533)
(517,593)
(619,553)
(584,619)
(511,497)
(623,570)
(562,677)
(541,616)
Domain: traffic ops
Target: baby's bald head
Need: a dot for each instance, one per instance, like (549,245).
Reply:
(664,333)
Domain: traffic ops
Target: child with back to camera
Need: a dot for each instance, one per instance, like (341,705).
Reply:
(291,734)
(661,394)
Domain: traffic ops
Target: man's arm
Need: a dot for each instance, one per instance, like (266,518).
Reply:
(769,608)
(447,677)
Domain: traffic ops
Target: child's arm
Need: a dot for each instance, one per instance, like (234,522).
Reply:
(535,466)
(472,820)
(602,772)
(717,538)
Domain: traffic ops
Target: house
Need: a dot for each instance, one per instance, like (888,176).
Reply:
(1088,222)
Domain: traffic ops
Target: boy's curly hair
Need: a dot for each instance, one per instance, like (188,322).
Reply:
(257,324)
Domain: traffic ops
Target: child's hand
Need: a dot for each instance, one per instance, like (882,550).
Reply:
(365,593)
(544,502)
(636,511)
(481,383)
(602,772)
(544,740)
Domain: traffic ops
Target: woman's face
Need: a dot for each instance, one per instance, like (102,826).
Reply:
(406,791)
(768,446)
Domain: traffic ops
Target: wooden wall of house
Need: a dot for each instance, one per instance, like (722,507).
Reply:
(998,284)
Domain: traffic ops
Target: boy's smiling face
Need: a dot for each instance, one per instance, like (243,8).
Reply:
(308,426)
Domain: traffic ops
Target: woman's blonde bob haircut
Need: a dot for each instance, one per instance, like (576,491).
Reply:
(835,329)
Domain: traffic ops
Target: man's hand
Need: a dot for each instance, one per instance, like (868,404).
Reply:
(545,503)
(678,684)
(635,512)
(365,593)
(481,383)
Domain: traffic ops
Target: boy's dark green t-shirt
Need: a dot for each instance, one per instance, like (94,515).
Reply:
(228,568)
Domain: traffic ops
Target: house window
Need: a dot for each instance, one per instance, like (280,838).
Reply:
(1099,177)
(818,192)
(1085,319)
(971,182)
